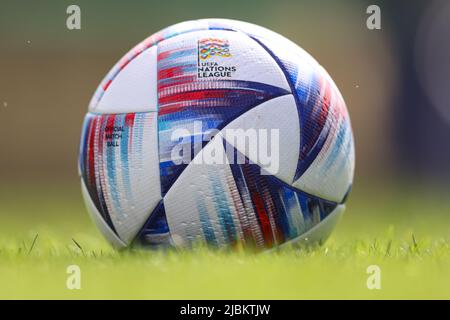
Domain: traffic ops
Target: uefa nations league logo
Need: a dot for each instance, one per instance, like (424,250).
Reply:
(211,47)
(210,62)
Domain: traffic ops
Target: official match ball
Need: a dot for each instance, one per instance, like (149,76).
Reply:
(220,133)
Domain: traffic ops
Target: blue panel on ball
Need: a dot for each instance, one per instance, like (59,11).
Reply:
(156,230)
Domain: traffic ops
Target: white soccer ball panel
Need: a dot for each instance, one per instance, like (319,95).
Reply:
(278,118)
(120,166)
(134,88)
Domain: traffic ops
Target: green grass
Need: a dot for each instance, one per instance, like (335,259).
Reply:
(404,231)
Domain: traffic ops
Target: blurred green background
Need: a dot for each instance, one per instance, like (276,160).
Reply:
(394,80)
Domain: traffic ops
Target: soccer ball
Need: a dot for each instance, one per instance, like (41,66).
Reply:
(160,168)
